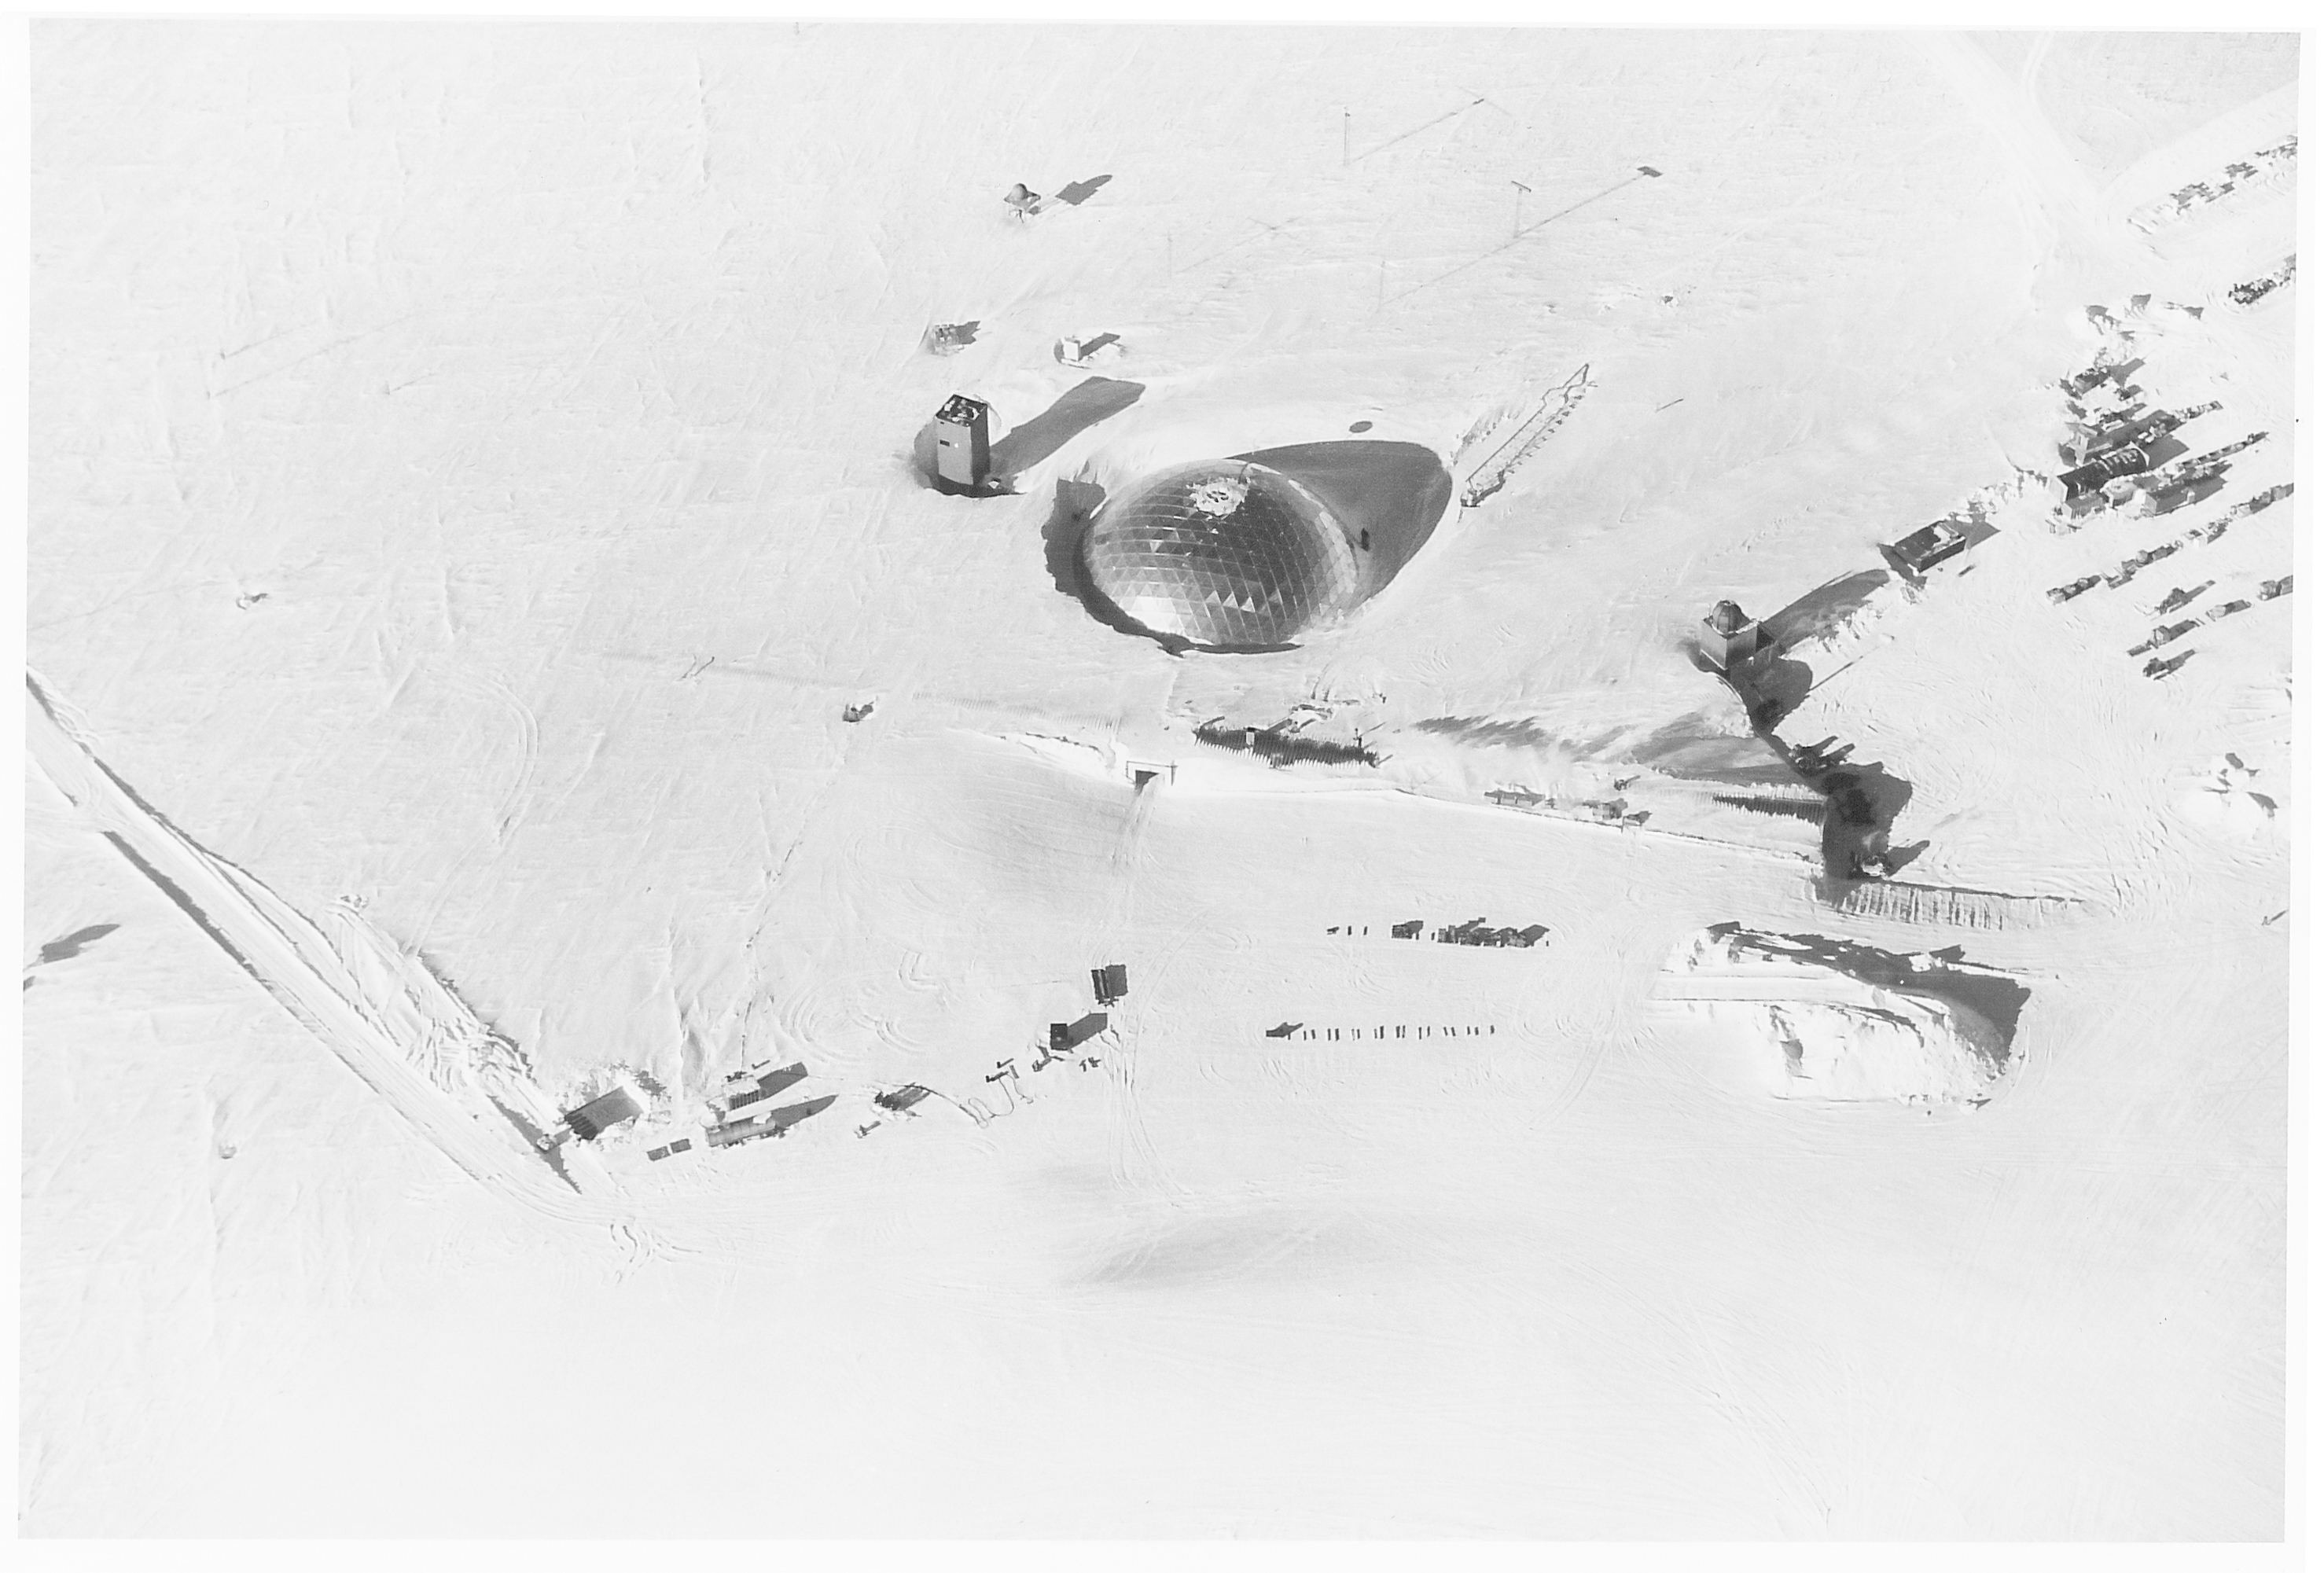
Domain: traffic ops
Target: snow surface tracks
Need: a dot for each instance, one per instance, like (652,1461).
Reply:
(410,1038)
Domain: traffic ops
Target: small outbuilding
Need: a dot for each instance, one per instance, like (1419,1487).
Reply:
(760,1085)
(2084,480)
(1728,637)
(1930,545)
(600,1115)
(964,455)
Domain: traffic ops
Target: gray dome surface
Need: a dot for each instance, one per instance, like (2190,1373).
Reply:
(1224,553)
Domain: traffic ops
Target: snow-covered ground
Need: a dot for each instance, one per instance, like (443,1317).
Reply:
(472,471)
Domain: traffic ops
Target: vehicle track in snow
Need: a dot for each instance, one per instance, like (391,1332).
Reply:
(516,800)
(350,1005)
(380,1012)
(2053,190)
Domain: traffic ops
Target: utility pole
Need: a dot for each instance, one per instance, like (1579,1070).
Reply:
(1516,225)
(1346,115)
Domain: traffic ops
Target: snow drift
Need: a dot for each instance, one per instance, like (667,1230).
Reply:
(1811,1027)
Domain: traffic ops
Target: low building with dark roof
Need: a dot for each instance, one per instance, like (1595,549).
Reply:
(1930,545)
(602,1114)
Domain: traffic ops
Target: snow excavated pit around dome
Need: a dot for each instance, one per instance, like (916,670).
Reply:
(1249,552)
(1808,1017)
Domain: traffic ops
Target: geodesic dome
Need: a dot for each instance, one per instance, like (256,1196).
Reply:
(1225,553)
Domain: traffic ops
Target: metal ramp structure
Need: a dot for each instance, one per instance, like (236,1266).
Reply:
(1522,444)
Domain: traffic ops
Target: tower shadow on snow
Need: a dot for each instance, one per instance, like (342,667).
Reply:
(1077,409)
(1823,609)
(1861,801)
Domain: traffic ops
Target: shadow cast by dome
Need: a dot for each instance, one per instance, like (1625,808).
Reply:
(1388,496)
(1771,686)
